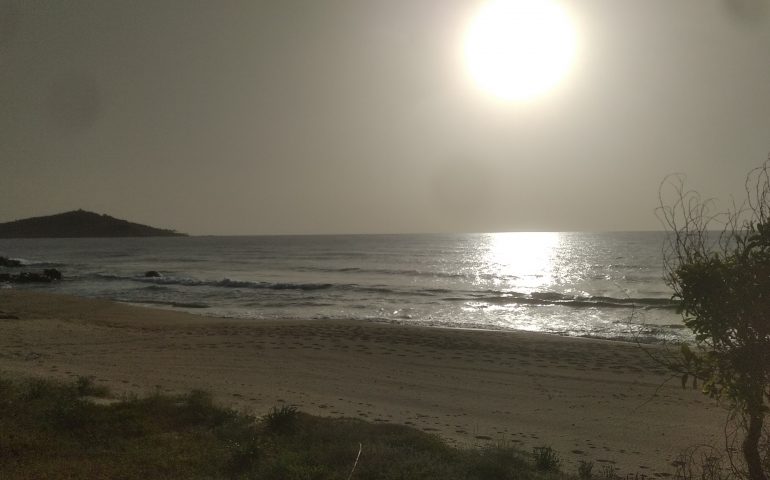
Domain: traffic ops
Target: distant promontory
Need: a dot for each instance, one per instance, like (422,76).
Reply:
(80,223)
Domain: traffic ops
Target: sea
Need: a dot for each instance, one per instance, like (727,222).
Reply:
(600,285)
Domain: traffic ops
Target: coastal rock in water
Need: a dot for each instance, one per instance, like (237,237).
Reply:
(152,274)
(52,273)
(9,262)
(47,276)
(30,277)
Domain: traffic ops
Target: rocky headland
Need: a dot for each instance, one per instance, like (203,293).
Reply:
(80,223)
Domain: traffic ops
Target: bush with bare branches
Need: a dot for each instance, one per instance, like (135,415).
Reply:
(718,265)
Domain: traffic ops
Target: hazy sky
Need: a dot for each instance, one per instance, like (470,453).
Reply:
(320,116)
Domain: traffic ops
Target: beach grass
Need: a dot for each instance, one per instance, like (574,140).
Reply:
(53,430)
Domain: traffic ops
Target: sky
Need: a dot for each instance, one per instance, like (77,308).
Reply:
(360,116)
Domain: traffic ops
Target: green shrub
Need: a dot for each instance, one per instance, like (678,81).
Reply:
(546,458)
(244,454)
(722,284)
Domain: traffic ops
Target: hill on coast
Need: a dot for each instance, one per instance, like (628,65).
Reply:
(80,223)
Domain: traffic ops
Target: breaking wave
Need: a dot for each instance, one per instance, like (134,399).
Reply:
(473,297)
(225,283)
(553,298)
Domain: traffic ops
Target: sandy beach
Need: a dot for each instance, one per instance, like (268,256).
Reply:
(588,399)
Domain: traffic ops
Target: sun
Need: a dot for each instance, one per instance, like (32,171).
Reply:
(517,50)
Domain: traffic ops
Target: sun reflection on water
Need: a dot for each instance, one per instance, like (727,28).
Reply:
(525,258)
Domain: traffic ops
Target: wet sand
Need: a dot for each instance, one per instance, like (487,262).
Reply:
(588,399)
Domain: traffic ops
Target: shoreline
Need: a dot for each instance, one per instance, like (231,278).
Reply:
(590,399)
(201,312)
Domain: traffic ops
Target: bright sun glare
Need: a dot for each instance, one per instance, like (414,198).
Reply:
(519,49)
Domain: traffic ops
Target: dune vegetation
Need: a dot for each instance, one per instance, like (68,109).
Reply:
(52,430)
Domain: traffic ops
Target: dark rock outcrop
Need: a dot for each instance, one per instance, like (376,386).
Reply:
(9,262)
(52,273)
(47,276)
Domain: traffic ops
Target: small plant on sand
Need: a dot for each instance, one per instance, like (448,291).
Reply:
(585,470)
(87,388)
(546,458)
(637,476)
(701,463)
(608,472)
(281,420)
